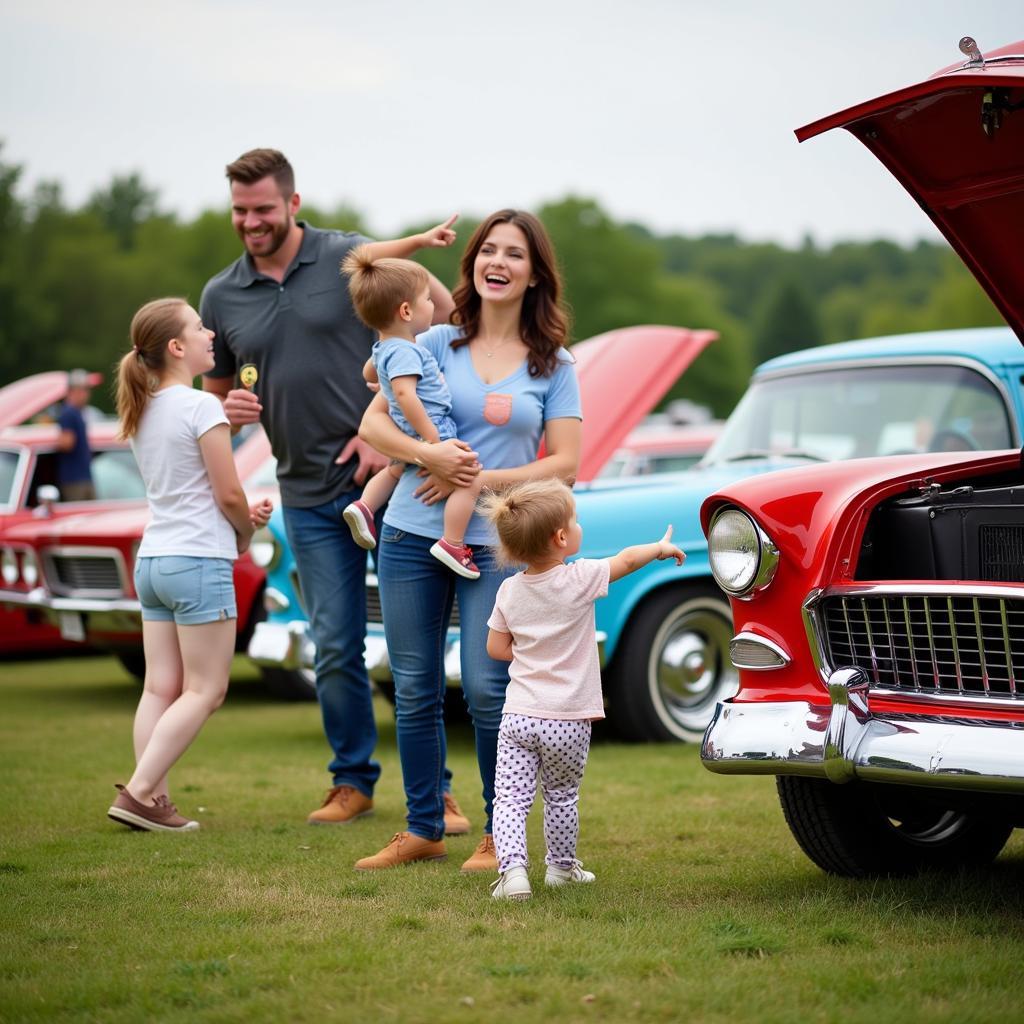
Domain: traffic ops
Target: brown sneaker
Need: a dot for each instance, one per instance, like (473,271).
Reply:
(455,822)
(341,806)
(404,848)
(484,858)
(159,816)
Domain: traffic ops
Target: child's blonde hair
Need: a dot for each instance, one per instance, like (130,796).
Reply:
(527,515)
(138,373)
(379,287)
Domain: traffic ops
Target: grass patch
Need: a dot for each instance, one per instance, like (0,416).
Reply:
(704,908)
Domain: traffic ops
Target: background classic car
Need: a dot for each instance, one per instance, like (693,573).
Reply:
(879,606)
(81,562)
(665,631)
(28,470)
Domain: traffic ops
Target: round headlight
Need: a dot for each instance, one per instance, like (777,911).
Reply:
(264,549)
(9,566)
(29,568)
(742,556)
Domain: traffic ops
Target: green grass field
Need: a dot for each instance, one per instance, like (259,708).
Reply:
(704,908)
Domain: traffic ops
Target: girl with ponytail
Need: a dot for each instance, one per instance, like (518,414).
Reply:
(200,522)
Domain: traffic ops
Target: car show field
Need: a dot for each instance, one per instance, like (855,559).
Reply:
(703,910)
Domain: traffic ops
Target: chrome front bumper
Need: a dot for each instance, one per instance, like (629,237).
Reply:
(102,615)
(288,645)
(845,742)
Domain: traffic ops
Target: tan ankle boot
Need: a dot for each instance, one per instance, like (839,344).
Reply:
(455,822)
(404,848)
(484,857)
(343,804)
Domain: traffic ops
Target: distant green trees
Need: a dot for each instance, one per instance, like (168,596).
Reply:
(70,280)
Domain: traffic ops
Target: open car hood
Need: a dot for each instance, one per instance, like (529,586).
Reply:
(623,375)
(956,143)
(22,399)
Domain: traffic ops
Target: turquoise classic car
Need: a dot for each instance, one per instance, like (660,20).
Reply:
(664,632)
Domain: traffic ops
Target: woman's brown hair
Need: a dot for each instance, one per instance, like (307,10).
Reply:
(543,320)
(138,373)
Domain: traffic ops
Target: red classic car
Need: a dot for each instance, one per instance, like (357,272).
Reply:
(879,604)
(74,571)
(28,475)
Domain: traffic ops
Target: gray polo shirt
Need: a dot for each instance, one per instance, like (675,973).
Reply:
(309,347)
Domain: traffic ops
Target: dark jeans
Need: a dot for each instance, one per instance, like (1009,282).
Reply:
(417,593)
(332,573)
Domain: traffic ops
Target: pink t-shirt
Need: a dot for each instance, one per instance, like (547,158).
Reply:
(555,671)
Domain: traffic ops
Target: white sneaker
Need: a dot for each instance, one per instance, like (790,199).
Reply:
(563,876)
(514,884)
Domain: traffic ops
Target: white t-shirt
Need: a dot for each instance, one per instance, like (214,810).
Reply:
(184,516)
(555,672)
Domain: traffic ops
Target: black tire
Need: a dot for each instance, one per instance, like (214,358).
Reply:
(672,665)
(133,662)
(290,684)
(455,709)
(858,829)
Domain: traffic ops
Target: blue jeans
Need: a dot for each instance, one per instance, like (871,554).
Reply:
(417,593)
(332,573)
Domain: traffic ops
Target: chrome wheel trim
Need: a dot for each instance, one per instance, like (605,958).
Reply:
(688,669)
(937,829)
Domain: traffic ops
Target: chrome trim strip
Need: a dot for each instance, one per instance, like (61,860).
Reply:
(863,364)
(926,699)
(910,650)
(956,644)
(981,643)
(814,632)
(938,589)
(936,677)
(1006,642)
(40,597)
(761,641)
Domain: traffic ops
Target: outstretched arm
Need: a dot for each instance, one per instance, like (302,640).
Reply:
(636,557)
(437,237)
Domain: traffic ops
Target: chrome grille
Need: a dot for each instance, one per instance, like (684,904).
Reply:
(947,644)
(95,575)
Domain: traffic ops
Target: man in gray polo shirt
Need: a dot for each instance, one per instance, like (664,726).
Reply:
(283,307)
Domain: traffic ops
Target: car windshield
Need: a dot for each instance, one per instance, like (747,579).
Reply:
(852,412)
(8,469)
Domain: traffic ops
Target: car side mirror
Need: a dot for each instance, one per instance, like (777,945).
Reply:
(46,497)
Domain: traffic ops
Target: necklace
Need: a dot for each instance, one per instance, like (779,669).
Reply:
(496,347)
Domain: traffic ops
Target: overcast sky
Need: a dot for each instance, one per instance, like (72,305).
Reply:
(674,113)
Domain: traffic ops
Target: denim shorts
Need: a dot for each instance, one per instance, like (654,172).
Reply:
(185,589)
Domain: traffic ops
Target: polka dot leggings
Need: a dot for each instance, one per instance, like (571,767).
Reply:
(558,750)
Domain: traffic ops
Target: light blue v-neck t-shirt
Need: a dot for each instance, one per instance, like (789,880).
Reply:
(502,422)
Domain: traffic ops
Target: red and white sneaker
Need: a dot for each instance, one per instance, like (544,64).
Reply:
(458,558)
(360,522)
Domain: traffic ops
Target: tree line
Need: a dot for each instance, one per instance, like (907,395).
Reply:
(70,279)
